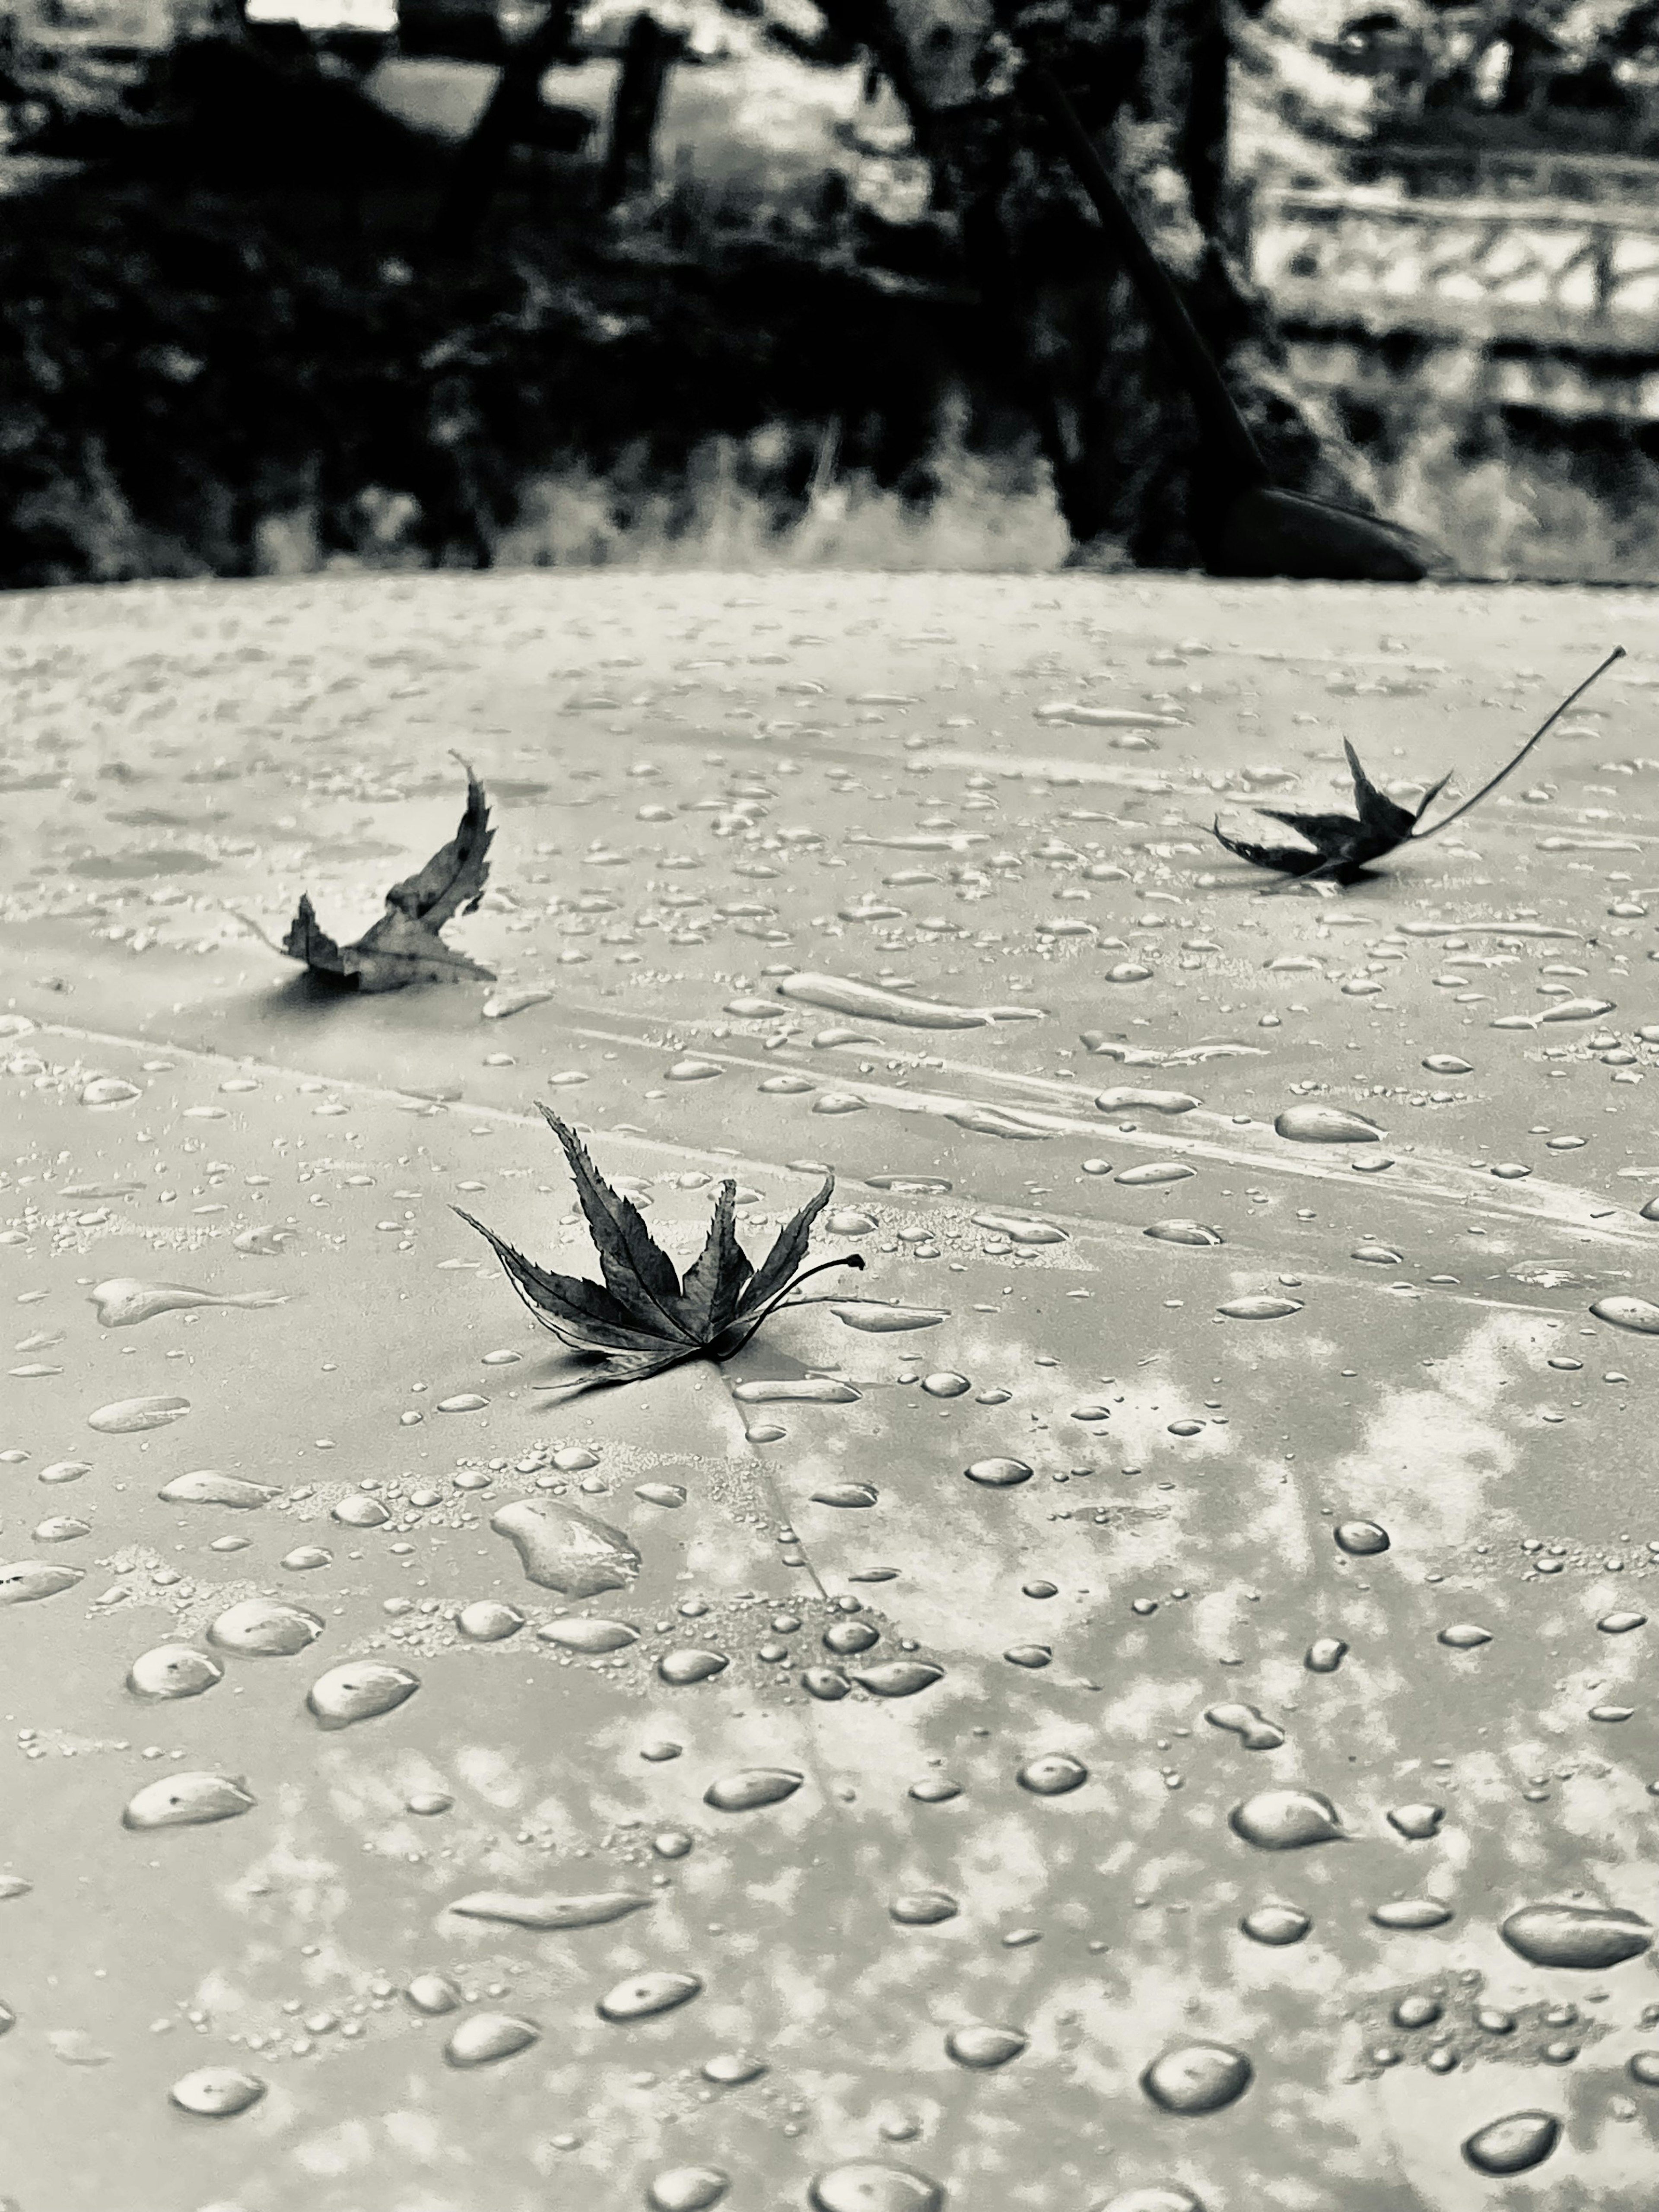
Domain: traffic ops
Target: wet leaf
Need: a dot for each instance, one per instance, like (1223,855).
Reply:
(405,946)
(643,1319)
(1340,846)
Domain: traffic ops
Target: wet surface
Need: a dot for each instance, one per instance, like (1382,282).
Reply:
(1145,1702)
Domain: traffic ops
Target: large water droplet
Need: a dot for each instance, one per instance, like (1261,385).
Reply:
(686,2189)
(1180,1231)
(1263,1306)
(1197,2077)
(923,1908)
(1325,1654)
(1638,1314)
(187,1801)
(998,1473)
(124,1300)
(1052,1774)
(128,1416)
(898,1678)
(24,1581)
(596,1910)
(488,1622)
(1287,1819)
(1514,2144)
(205,1485)
(1587,1936)
(753,1787)
(173,1670)
(886,1321)
(1464,1636)
(1153,1173)
(1361,1539)
(1126,1099)
(592,1637)
(1277,1924)
(260,1628)
(689,1664)
(983,2048)
(642,1996)
(1325,1125)
(563,1549)
(433,1994)
(216,2092)
(361,1690)
(486,2037)
(864,2186)
(1411,1912)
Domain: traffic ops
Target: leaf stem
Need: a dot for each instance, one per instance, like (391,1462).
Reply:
(850,1259)
(1445,822)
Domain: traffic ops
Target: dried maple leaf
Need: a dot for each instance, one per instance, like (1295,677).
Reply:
(643,1318)
(1341,846)
(404,946)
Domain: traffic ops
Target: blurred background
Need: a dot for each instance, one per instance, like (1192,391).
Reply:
(295,285)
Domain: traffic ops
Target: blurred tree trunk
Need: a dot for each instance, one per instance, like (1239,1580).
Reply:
(508,116)
(641,82)
(1149,79)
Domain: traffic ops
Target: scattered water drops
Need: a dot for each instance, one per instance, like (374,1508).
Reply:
(1586,1936)
(187,1801)
(361,1690)
(1514,2144)
(1286,1821)
(485,2037)
(216,2092)
(173,1670)
(642,1996)
(1276,1924)
(1197,2077)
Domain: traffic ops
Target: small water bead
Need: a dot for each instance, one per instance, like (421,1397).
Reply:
(1276,1924)
(846,1494)
(660,1750)
(752,1788)
(642,1996)
(1361,1539)
(188,1801)
(924,1908)
(1181,1231)
(998,1473)
(361,1690)
(216,2092)
(1191,2078)
(1153,1173)
(1261,1306)
(485,2038)
(1514,2144)
(1644,2066)
(1325,1654)
(1253,1730)
(1039,1589)
(984,2048)
(1286,1821)
(304,1557)
(1620,1623)
(261,1628)
(1416,2011)
(945,1385)
(688,1663)
(865,2186)
(1447,1063)
(1588,1937)
(1325,1125)
(1416,1822)
(1411,1912)
(686,2189)
(1051,1774)
(1464,1636)
(173,1670)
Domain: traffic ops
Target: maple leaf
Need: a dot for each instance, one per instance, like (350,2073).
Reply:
(643,1318)
(1340,846)
(405,946)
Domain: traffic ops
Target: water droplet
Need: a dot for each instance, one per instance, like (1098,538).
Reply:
(1277,1924)
(1019,1228)
(304,1557)
(1514,2144)
(688,1663)
(642,1996)
(1253,1731)
(846,1494)
(1635,1314)
(864,2186)
(64,1470)
(1051,1774)
(753,1787)
(433,1994)
(23,1582)
(1413,1913)
(124,1301)
(886,1321)
(1325,1125)
(935,1789)
(945,1385)
(187,1801)
(1197,2077)
(361,1690)
(1153,1172)
(360,1511)
(668,1495)
(1184,1232)
(844,1221)
(1361,1539)
(827,1684)
(1586,1936)
(127,1416)
(686,2189)
(837,996)
(898,1678)
(563,1549)
(1620,1623)
(923,1908)
(216,2092)
(694,1071)
(468,1401)
(488,1622)
(811,1390)
(1379,1255)
(1415,2012)
(1578,1010)
(173,1670)
(984,2048)
(1261,1306)
(205,1485)
(592,1637)
(1644,2066)
(731,2068)
(1447,1063)
(486,2037)
(594,1911)
(1464,1636)
(108,1090)
(998,1473)
(1417,1823)
(847,1638)
(259,1628)
(1286,1821)
(1325,1654)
